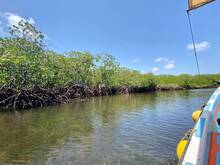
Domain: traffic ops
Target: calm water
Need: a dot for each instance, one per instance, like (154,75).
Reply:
(117,130)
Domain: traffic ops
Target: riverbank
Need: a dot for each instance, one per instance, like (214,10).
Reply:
(11,99)
(31,76)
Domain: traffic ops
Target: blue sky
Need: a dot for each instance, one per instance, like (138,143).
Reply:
(142,34)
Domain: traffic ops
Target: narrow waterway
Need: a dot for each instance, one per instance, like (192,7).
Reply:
(135,129)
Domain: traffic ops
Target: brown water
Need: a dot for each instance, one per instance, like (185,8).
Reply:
(115,130)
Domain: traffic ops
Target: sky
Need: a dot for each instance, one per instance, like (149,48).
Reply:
(146,35)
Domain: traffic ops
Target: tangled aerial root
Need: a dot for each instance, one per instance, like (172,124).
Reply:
(14,99)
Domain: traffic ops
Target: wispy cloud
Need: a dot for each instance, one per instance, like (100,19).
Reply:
(202,46)
(161,59)
(169,66)
(168,63)
(135,60)
(155,69)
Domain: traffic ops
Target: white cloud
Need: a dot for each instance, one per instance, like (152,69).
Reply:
(169,66)
(155,69)
(135,60)
(161,59)
(14,19)
(164,60)
(202,46)
(168,63)
(9,19)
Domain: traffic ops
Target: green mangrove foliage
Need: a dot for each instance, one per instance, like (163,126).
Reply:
(25,63)
(28,69)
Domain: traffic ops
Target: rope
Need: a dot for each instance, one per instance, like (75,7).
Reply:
(193,40)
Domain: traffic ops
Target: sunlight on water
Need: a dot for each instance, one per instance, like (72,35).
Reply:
(128,129)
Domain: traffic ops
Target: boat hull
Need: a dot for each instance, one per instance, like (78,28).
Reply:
(204,143)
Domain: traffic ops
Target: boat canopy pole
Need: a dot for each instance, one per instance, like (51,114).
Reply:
(193,42)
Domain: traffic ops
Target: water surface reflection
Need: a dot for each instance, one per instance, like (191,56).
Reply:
(128,129)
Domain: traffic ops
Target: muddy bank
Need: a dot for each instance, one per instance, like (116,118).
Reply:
(13,99)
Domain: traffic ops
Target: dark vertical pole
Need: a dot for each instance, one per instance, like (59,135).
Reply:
(193,40)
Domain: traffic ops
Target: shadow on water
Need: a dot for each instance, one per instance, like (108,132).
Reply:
(127,129)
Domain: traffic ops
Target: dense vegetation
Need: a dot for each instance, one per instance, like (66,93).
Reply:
(32,76)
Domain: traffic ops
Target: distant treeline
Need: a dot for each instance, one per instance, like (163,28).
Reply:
(32,76)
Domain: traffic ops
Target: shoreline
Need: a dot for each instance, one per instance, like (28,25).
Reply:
(24,99)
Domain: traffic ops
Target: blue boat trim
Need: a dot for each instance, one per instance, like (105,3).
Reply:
(200,128)
(218,158)
(207,107)
(213,97)
(206,136)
